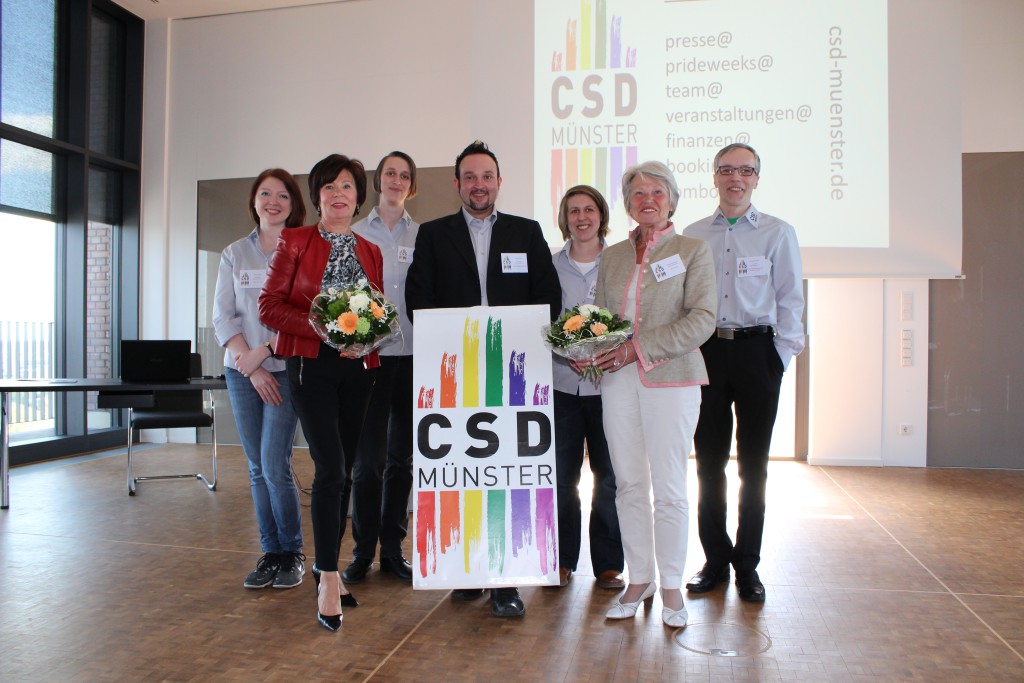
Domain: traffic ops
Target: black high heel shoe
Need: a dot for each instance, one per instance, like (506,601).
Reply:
(347,599)
(331,622)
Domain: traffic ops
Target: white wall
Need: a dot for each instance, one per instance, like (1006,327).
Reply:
(905,393)
(286,87)
(860,391)
(855,413)
(502,97)
(155,236)
(845,333)
(228,96)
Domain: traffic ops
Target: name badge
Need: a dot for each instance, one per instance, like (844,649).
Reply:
(513,263)
(752,266)
(405,254)
(668,267)
(252,279)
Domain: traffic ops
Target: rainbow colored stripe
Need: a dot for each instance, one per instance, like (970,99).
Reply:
(494,374)
(478,517)
(592,42)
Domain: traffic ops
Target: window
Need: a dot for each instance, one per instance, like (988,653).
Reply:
(27,340)
(70,146)
(29,56)
(26,178)
(106,85)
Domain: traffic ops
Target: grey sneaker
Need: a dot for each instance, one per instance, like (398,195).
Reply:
(265,572)
(292,567)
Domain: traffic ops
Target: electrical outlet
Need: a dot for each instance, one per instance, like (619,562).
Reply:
(905,429)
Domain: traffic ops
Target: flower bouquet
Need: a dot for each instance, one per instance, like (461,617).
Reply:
(356,320)
(583,333)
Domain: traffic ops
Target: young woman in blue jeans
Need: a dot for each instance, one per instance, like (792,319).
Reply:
(258,383)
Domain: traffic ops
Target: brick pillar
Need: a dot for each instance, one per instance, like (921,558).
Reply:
(99,302)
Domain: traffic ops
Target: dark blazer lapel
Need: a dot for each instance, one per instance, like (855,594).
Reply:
(458,232)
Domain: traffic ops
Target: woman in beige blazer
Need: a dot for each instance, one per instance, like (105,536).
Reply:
(665,284)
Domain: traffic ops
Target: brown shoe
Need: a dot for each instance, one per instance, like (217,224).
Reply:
(564,577)
(611,580)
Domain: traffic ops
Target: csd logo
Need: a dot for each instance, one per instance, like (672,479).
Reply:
(590,95)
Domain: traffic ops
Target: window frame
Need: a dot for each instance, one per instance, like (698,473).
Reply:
(73,161)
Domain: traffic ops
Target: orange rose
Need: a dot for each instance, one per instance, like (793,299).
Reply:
(598,329)
(377,311)
(347,321)
(574,323)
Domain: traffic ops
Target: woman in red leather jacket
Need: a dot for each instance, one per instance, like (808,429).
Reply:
(329,391)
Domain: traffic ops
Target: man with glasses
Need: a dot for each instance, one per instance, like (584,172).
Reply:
(759,330)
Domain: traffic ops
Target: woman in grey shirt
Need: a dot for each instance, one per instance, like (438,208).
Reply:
(583,220)
(258,383)
(382,474)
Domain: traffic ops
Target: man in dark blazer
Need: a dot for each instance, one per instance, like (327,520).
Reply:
(455,260)
(480,257)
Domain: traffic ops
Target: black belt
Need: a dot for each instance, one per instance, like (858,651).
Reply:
(743,332)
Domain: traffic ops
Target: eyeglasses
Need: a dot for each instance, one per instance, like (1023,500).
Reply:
(744,171)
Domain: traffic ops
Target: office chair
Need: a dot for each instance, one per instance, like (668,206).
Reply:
(166,410)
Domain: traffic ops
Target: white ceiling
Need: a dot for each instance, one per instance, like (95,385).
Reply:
(183,9)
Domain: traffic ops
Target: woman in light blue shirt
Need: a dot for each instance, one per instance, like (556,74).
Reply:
(583,220)
(382,474)
(257,381)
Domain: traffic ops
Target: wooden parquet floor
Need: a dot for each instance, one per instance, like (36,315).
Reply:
(871,574)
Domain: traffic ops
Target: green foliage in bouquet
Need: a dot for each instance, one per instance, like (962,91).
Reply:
(583,333)
(356,318)
(585,322)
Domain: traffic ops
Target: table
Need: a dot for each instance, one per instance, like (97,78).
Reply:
(61,385)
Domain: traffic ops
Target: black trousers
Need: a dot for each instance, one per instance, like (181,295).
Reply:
(578,419)
(330,395)
(382,475)
(745,374)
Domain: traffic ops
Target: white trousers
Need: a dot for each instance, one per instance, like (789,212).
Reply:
(650,432)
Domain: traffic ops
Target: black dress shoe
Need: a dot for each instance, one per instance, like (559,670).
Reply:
(398,565)
(707,578)
(505,602)
(347,599)
(356,570)
(331,622)
(750,586)
(467,594)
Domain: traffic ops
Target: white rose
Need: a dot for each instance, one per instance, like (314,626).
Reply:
(358,302)
(587,310)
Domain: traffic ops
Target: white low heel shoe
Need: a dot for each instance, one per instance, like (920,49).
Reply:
(676,618)
(627,610)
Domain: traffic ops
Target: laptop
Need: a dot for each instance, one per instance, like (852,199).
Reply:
(156,360)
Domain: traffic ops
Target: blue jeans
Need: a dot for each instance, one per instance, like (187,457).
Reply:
(267,434)
(579,419)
